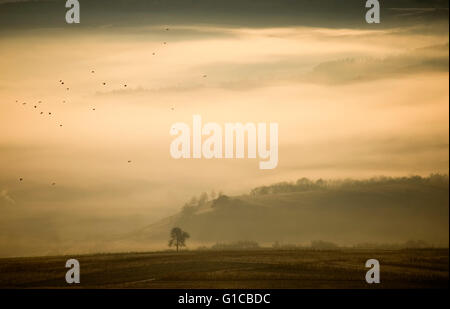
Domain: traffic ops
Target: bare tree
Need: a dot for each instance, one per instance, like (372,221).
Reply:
(178,238)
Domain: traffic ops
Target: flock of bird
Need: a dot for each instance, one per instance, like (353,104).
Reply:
(63,84)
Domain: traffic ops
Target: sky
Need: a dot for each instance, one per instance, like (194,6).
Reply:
(352,100)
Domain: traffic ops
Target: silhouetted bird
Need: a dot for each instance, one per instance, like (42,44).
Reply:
(53,183)
(92,71)
(42,113)
(204,75)
(60,125)
(104,84)
(49,113)
(39,102)
(124,85)
(35,106)
(93,109)
(129,161)
(67,88)
(20,179)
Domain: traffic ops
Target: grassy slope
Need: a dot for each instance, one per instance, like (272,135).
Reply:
(373,213)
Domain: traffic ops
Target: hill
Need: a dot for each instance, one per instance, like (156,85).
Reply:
(347,212)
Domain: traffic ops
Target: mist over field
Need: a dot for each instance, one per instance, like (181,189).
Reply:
(380,212)
(85,113)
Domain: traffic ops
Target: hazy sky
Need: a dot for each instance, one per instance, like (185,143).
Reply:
(351,99)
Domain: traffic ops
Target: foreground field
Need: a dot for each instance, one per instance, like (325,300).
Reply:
(425,268)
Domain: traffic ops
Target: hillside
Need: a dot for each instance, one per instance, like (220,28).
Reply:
(380,210)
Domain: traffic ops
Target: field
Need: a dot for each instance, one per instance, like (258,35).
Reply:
(424,268)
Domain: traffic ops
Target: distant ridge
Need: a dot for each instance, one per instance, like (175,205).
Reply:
(383,210)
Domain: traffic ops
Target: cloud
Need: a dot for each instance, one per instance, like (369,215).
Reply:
(248,13)
(351,70)
(374,153)
(143,90)
(416,11)
(12,1)
(6,197)
(279,70)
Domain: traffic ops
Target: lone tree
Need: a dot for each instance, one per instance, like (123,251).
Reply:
(178,238)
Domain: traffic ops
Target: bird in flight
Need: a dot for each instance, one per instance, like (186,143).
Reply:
(20,179)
